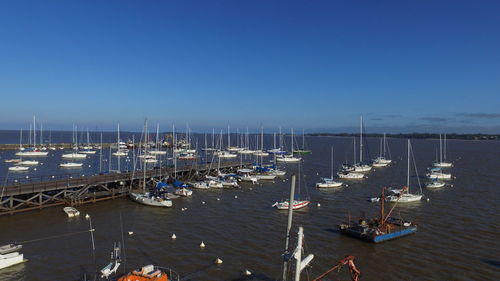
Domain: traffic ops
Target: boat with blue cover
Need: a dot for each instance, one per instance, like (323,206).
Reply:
(379,229)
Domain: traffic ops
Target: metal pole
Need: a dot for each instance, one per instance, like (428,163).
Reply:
(289,225)
(298,254)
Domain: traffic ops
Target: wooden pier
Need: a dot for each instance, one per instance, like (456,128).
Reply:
(26,196)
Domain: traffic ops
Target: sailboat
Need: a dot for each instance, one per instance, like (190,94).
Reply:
(288,158)
(121,148)
(329,182)
(73,155)
(442,155)
(303,150)
(382,161)
(32,151)
(154,198)
(403,195)
(361,167)
(157,150)
(87,149)
(297,203)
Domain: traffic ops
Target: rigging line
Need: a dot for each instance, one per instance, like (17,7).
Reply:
(56,236)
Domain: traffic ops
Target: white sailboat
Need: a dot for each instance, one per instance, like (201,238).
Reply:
(361,167)
(18,168)
(442,155)
(70,165)
(147,198)
(288,158)
(75,154)
(296,203)
(87,149)
(382,161)
(32,151)
(329,182)
(403,195)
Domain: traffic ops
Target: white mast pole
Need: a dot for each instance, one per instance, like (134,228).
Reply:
(361,141)
(408,169)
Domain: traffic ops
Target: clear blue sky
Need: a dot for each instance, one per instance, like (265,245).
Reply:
(312,64)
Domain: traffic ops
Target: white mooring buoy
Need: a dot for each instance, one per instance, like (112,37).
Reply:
(130,233)
(236,197)
(87,216)
(202,245)
(319,205)
(203,202)
(173,236)
(247,272)
(218,261)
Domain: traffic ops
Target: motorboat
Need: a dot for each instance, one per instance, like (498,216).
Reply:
(71,212)
(151,273)
(10,255)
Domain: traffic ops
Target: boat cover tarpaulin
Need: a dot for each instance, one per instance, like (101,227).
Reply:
(161,185)
(179,184)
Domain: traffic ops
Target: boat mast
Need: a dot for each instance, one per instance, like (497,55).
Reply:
(384,144)
(144,160)
(331,174)
(292,142)
(289,227)
(21,139)
(361,140)
(303,139)
(354,149)
(228,137)
(118,148)
(444,150)
(440,149)
(34,131)
(408,169)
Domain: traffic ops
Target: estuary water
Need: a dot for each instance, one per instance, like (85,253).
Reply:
(458,236)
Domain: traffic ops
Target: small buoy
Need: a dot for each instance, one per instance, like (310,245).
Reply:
(317,174)
(247,272)
(41,163)
(251,188)
(173,236)
(87,216)
(130,233)
(203,202)
(53,177)
(218,261)
(34,169)
(202,245)
(218,199)
(236,196)
(319,205)
(346,185)
(27,177)
(90,166)
(428,199)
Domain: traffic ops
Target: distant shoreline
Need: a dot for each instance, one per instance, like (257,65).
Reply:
(414,136)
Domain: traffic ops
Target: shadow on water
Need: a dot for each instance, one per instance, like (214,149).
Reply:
(492,262)
(332,230)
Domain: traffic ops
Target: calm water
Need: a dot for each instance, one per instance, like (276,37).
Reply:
(457,238)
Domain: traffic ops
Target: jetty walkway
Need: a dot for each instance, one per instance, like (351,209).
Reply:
(26,196)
